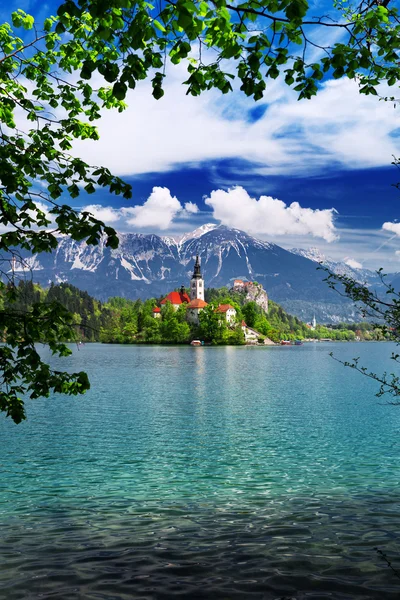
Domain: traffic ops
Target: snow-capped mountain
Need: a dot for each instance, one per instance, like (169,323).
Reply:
(196,233)
(364,276)
(311,253)
(149,265)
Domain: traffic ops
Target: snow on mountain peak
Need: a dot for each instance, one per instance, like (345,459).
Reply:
(312,253)
(197,232)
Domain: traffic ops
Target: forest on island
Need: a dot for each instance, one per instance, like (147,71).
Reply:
(125,321)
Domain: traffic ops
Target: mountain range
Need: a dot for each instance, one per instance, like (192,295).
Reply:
(146,265)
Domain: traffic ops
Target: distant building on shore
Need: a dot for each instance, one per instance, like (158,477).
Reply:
(313,324)
(240,284)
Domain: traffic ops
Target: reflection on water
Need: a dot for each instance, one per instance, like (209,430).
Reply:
(204,473)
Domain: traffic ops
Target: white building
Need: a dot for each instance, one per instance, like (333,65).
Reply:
(227,312)
(250,334)
(197,302)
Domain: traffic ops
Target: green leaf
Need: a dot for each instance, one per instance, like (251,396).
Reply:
(159,26)
(158,93)
(119,90)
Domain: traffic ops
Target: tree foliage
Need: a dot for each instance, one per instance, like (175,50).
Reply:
(252,40)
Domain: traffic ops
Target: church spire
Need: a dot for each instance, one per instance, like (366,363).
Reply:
(197,270)
(197,282)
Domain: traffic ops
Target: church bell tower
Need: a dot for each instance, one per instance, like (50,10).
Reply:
(197,282)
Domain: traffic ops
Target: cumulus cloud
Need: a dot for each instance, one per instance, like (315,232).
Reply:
(103,213)
(158,211)
(393,227)
(191,207)
(354,264)
(270,216)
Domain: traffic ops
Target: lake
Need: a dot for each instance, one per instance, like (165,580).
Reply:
(218,473)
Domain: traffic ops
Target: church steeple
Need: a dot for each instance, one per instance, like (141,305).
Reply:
(197,282)
(197,269)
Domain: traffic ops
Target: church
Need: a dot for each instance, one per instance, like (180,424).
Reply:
(195,303)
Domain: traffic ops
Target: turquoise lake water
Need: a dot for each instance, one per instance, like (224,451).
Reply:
(218,473)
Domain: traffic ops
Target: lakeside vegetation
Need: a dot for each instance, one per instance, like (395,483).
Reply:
(124,321)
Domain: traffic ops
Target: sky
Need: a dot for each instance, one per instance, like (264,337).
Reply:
(314,173)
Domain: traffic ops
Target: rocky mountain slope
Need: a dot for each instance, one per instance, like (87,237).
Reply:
(150,265)
(341,268)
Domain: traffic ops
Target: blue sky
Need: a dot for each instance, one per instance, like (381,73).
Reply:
(309,173)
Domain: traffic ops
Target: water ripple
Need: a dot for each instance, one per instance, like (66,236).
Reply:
(220,473)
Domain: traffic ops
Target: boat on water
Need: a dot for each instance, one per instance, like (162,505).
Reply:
(298,342)
(286,343)
(196,343)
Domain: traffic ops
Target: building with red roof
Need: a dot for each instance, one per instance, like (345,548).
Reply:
(156,312)
(238,283)
(228,312)
(193,310)
(197,303)
(176,298)
(241,285)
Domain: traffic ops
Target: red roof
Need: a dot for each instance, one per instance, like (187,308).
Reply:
(223,308)
(244,324)
(156,309)
(197,303)
(176,298)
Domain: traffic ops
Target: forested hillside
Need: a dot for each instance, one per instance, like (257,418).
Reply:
(89,315)
(126,321)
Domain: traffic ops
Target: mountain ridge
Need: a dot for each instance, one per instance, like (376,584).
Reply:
(146,265)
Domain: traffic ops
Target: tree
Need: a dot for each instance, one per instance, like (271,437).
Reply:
(151,330)
(212,328)
(261,39)
(47,101)
(250,313)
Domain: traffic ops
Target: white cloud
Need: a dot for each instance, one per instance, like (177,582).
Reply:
(191,207)
(354,264)
(103,213)
(397,253)
(270,216)
(338,125)
(393,227)
(158,211)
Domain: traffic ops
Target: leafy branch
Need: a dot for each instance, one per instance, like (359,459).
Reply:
(385,311)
